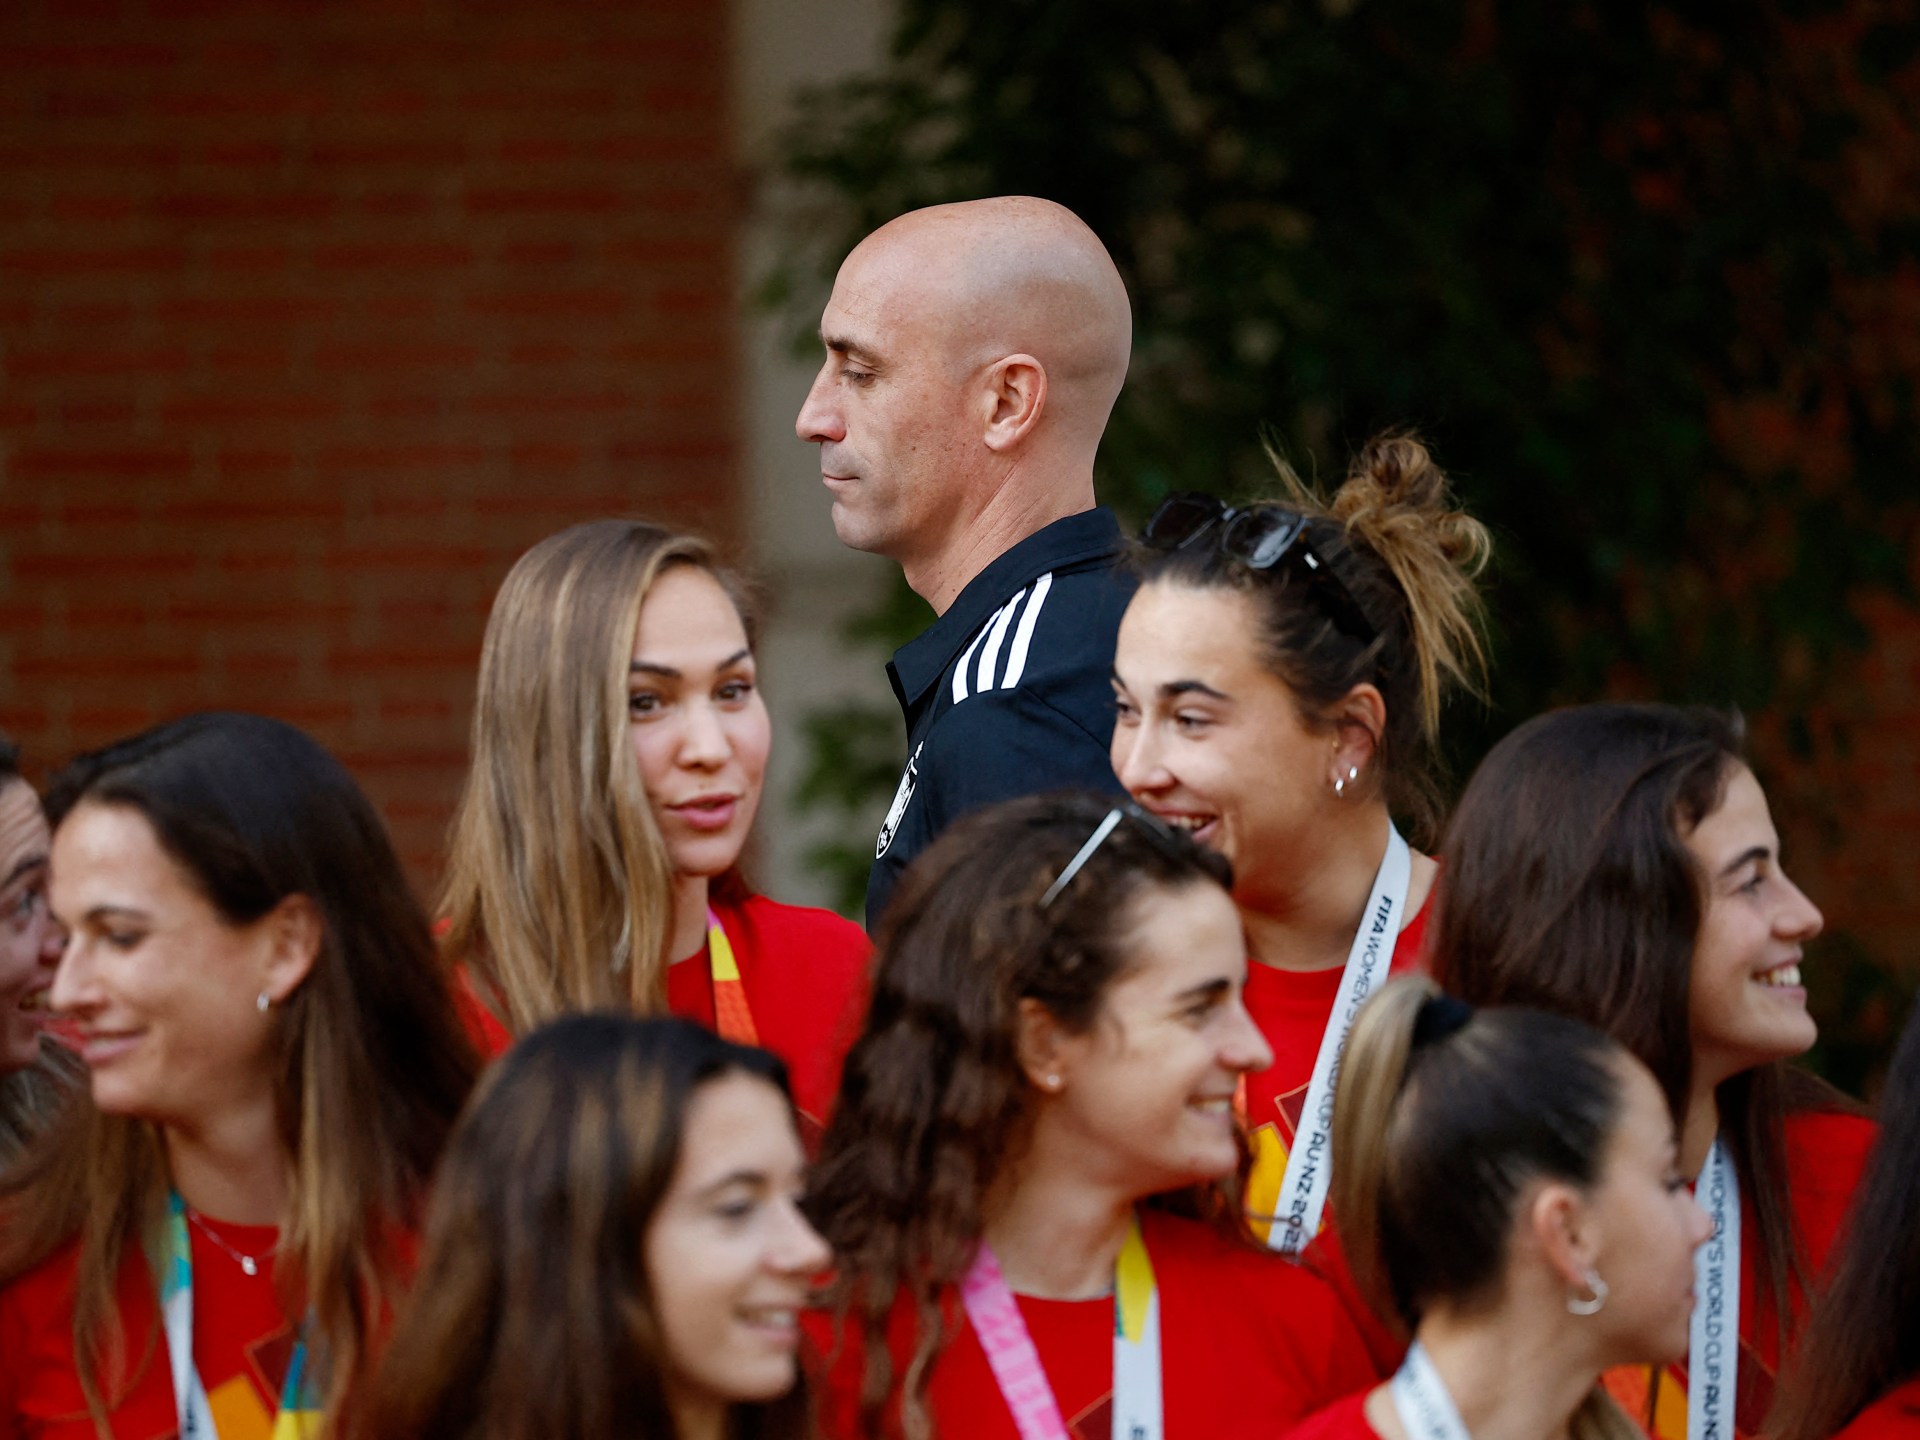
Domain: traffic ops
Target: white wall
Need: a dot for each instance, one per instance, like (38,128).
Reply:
(813,583)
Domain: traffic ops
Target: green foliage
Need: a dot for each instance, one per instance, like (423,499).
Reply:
(1642,274)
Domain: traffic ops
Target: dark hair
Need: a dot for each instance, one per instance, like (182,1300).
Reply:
(9,759)
(934,1102)
(1435,1137)
(1443,1117)
(370,1065)
(1864,1334)
(534,1317)
(1409,559)
(1569,887)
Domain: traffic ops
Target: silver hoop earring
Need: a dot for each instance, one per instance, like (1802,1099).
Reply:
(1590,1303)
(262,1003)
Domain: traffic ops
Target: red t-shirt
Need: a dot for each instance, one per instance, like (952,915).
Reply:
(1344,1420)
(1894,1416)
(242,1343)
(805,974)
(1292,1009)
(1826,1151)
(1249,1343)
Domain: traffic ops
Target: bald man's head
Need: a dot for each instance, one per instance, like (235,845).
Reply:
(971,348)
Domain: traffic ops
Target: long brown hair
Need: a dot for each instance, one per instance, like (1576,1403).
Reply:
(934,1104)
(1569,887)
(1443,1119)
(534,1318)
(370,1064)
(559,892)
(1864,1334)
(1409,557)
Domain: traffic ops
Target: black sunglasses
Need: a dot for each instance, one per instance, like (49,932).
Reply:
(1259,537)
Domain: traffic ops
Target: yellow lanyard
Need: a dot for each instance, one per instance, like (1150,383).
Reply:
(731,1017)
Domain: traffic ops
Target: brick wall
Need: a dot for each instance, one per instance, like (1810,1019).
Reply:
(312,317)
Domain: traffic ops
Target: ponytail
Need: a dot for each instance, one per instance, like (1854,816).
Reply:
(1443,1116)
(1409,559)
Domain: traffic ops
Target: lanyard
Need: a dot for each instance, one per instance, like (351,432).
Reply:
(1016,1366)
(1303,1188)
(1713,1348)
(1420,1399)
(299,1413)
(731,1017)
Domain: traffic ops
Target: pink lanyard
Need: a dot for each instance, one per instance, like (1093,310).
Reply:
(731,1017)
(1003,1335)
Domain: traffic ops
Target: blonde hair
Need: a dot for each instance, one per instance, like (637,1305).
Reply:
(559,891)
(1440,1119)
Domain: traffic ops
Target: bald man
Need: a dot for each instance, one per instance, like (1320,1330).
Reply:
(973,355)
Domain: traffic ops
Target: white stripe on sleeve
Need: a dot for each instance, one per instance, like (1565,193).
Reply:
(1023,637)
(990,656)
(960,670)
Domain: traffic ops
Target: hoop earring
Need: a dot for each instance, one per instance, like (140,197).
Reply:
(1590,1303)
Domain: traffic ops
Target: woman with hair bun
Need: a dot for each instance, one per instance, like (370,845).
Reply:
(1280,679)
(1857,1370)
(619,749)
(212,1237)
(1506,1185)
(1618,864)
(614,1248)
(1032,1180)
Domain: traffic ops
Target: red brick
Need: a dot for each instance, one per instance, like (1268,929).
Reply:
(54,465)
(601,201)
(554,304)
(229,409)
(210,208)
(423,256)
(72,260)
(42,364)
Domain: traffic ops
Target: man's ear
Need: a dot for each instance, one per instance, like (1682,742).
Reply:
(295,931)
(1045,1050)
(1016,393)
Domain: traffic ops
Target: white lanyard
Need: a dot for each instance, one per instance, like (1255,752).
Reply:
(1303,1188)
(1420,1399)
(1713,1350)
(176,1309)
(1003,1335)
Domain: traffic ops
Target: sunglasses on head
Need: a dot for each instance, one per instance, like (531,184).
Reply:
(1260,537)
(1158,833)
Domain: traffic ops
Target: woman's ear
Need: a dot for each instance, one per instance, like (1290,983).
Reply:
(1560,1226)
(295,931)
(1045,1049)
(1359,721)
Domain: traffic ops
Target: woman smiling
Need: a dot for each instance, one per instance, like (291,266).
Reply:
(1032,1181)
(212,1237)
(1279,679)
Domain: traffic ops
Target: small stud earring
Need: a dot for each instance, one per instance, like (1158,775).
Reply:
(1589,1303)
(262,1003)
(1053,1082)
(1339,786)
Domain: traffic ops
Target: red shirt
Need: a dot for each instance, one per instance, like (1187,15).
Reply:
(1894,1416)
(1249,1344)
(1292,1009)
(1826,1151)
(1344,1420)
(804,972)
(242,1342)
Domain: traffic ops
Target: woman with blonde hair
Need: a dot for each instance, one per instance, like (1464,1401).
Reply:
(212,1237)
(614,1248)
(619,750)
(1280,679)
(1506,1183)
